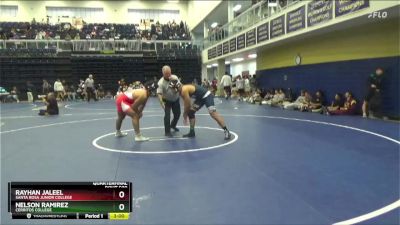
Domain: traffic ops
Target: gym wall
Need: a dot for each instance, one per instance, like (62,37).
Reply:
(114,11)
(337,62)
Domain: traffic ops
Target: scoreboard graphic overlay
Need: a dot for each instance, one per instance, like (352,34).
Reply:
(70,200)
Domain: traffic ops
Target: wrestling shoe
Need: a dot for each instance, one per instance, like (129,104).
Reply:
(191,134)
(175,129)
(140,137)
(118,133)
(227,135)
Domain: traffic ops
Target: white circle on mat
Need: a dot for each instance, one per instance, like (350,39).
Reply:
(95,144)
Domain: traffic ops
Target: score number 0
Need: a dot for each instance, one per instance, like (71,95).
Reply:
(121,206)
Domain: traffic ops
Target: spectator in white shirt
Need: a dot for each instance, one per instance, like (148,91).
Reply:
(89,88)
(226,82)
(300,102)
(240,87)
(59,89)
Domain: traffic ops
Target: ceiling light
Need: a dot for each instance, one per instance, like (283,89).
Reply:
(214,64)
(214,25)
(227,62)
(237,59)
(237,7)
(253,56)
(208,66)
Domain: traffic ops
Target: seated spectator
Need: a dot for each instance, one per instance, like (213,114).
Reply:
(51,105)
(269,95)
(14,94)
(276,99)
(30,88)
(349,107)
(99,91)
(288,95)
(317,102)
(3,94)
(307,102)
(108,95)
(255,98)
(71,93)
(279,98)
(300,101)
(336,103)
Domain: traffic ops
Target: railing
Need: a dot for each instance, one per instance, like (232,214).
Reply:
(248,18)
(99,45)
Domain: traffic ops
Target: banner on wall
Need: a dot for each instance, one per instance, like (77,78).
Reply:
(296,19)
(212,53)
(245,73)
(319,11)
(241,41)
(277,26)
(219,50)
(262,32)
(343,7)
(232,45)
(225,47)
(251,37)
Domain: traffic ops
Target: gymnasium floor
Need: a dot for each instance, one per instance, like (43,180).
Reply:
(281,167)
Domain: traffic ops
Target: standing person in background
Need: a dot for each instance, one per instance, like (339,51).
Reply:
(247,87)
(253,83)
(80,89)
(45,87)
(214,86)
(205,83)
(29,91)
(226,82)
(59,89)
(240,87)
(66,90)
(169,99)
(89,88)
(374,89)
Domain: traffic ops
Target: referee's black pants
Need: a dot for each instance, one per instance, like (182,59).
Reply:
(176,110)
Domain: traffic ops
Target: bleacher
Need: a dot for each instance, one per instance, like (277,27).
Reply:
(20,65)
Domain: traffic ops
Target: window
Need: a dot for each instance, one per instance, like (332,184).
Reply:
(163,16)
(8,10)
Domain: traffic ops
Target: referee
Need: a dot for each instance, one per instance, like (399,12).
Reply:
(169,99)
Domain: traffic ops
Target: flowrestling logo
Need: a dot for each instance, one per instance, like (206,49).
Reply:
(378,15)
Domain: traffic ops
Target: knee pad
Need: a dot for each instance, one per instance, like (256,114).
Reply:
(212,109)
(191,114)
